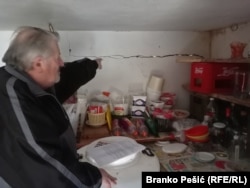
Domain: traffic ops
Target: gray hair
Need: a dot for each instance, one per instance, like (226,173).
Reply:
(28,43)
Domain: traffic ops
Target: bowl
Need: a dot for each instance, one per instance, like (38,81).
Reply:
(198,133)
(200,141)
(180,114)
(197,130)
(201,138)
(169,99)
(156,104)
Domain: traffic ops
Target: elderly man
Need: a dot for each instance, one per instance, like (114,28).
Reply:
(37,142)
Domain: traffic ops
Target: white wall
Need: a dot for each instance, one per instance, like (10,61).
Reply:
(126,72)
(5,39)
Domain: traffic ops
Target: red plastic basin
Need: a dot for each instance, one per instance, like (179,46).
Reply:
(197,130)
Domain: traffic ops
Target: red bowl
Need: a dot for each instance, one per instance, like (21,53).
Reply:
(197,130)
(201,141)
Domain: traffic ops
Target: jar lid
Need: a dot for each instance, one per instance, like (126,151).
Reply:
(236,137)
(219,125)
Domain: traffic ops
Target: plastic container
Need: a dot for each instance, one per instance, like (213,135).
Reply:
(169,99)
(156,104)
(199,133)
(120,106)
(180,114)
(198,130)
(213,77)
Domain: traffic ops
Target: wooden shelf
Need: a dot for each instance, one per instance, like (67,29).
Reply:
(228,98)
(192,59)
(242,102)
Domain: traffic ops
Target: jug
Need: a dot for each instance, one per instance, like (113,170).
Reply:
(237,49)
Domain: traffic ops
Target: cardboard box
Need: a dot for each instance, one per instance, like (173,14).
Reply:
(137,111)
(139,100)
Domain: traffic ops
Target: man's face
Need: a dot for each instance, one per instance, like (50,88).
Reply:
(52,66)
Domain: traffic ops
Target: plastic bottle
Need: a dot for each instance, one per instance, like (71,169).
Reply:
(211,112)
(116,129)
(206,120)
(235,148)
(128,126)
(228,130)
(141,127)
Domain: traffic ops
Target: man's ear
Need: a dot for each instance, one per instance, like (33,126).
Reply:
(38,64)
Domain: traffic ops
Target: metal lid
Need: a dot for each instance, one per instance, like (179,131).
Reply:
(219,125)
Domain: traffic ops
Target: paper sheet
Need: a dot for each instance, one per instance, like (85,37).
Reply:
(114,151)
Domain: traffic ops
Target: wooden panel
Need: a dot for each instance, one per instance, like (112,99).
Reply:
(89,134)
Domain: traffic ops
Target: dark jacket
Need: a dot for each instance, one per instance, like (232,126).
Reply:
(37,143)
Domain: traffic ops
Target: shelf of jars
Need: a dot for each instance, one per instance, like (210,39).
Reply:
(229,98)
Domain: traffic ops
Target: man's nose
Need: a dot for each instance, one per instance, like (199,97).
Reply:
(61,63)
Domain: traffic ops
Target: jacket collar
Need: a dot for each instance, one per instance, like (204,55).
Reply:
(21,75)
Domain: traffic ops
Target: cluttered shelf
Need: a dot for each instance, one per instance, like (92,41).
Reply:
(228,98)
(89,134)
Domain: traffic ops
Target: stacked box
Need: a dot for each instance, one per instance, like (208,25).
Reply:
(138,105)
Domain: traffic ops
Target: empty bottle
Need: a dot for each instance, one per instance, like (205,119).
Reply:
(211,112)
(234,152)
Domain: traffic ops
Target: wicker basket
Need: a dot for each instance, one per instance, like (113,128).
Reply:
(96,119)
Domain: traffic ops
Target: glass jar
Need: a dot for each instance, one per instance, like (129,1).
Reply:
(218,134)
(121,106)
